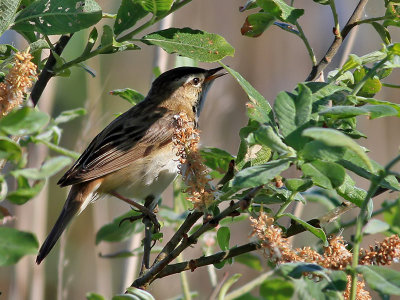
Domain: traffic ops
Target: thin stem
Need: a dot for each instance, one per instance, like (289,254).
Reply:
(335,46)
(184,281)
(390,85)
(362,219)
(285,205)
(370,74)
(307,44)
(153,20)
(335,17)
(375,213)
(370,20)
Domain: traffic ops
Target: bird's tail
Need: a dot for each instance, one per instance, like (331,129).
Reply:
(78,198)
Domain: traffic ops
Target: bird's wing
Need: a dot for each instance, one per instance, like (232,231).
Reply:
(131,136)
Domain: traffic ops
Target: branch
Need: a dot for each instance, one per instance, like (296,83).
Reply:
(148,277)
(47,71)
(329,217)
(333,49)
(207,260)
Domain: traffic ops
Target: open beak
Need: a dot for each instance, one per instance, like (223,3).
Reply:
(212,74)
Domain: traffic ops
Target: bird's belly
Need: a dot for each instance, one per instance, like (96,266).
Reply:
(145,177)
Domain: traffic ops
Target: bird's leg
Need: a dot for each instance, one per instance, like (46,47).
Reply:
(143,209)
(147,240)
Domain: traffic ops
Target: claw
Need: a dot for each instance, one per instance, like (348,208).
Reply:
(131,219)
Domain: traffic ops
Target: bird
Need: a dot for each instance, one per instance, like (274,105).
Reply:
(133,157)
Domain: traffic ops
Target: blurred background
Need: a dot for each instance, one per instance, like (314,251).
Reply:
(273,62)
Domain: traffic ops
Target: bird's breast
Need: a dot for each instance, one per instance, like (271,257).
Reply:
(146,176)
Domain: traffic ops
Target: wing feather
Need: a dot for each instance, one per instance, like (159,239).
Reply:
(129,137)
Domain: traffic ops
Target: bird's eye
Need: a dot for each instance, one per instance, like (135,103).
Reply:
(196,81)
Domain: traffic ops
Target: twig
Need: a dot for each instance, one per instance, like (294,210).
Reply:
(333,49)
(307,44)
(207,260)
(47,71)
(218,287)
(362,219)
(148,277)
(179,235)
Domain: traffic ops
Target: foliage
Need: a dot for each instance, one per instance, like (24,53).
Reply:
(312,128)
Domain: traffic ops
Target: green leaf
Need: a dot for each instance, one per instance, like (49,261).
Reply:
(256,24)
(276,289)
(327,175)
(341,112)
(141,294)
(114,232)
(157,7)
(58,16)
(223,237)
(228,283)
(297,184)
(379,111)
(130,95)
(69,115)
(259,108)
(352,62)
(393,13)
(92,39)
(383,32)
(23,121)
(9,149)
(375,226)
(281,10)
(350,192)
(335,138)
(94,296)
(293,113)
(25,193)
(8,8)
(392,215)
(317,150)
(297,269)
(110,45)
(49,168)
(251,260)
(318,232)
(216,159)
(353,163)
(265,135)
(380,102)
(371,87)
(15,244)
(382,279)
(3,188)
(128,14)
(195,44)
(260,174)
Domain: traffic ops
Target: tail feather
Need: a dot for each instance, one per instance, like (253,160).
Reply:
(78,197)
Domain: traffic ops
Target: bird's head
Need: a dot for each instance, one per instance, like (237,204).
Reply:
(186,86)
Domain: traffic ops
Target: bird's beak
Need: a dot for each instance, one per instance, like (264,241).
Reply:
(211,74)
